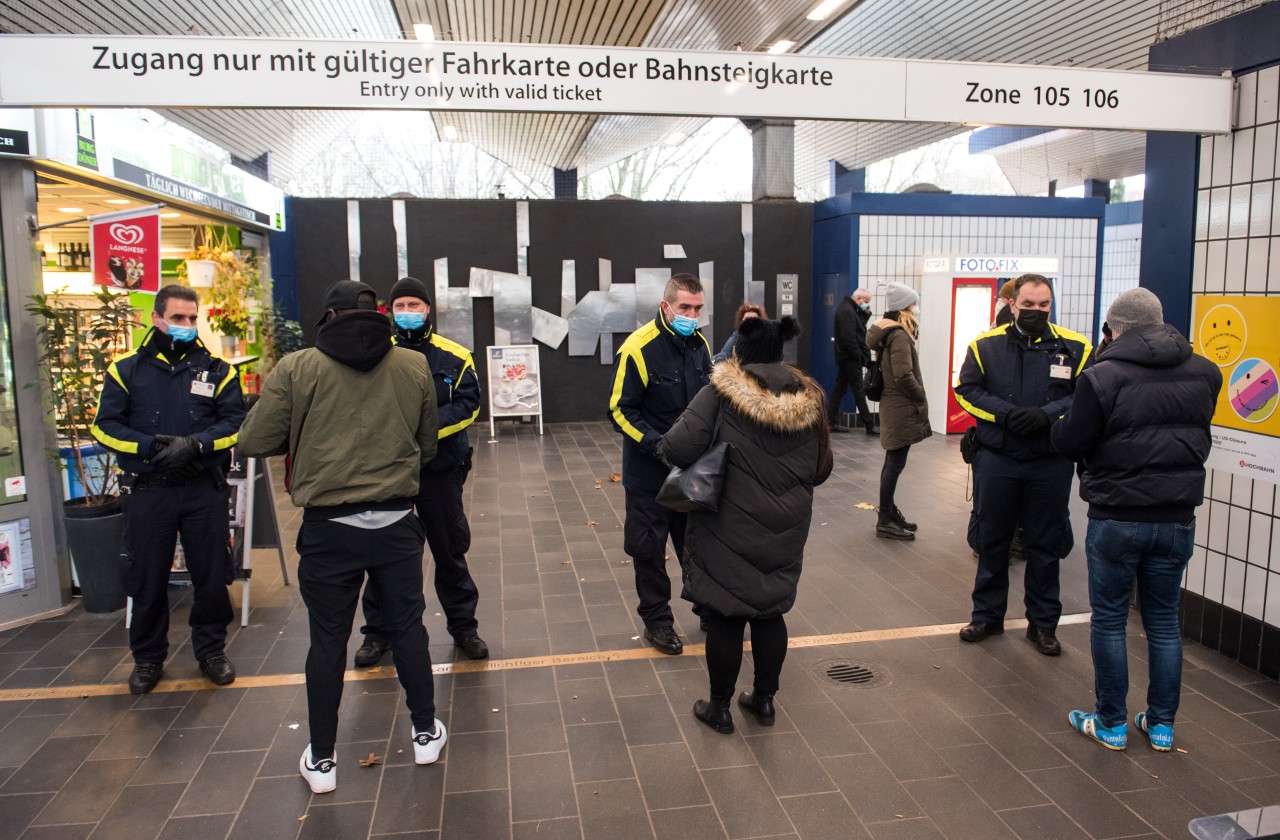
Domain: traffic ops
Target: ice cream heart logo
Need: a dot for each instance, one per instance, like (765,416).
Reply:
(127,234)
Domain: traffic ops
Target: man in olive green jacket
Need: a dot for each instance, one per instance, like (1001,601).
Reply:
(358,416)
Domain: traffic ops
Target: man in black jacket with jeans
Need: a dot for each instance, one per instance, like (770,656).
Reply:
(852,356)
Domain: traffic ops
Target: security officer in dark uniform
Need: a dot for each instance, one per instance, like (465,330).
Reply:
(439,501)
(171,410)
(1016,380)
(658,371)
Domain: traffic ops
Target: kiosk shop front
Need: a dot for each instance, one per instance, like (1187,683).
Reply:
(967,288)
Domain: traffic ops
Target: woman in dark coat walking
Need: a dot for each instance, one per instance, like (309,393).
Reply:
(742,564)
(904,409)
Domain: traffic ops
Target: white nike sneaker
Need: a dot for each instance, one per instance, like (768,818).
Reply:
(427,746)
(321,775)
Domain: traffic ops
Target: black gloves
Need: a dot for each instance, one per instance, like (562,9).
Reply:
(1027,419)
(174,453)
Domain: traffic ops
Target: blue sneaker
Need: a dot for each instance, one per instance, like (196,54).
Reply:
(1088,725)
(1160,734)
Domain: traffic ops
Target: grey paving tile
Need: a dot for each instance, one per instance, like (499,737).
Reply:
(871,788)
(954,809)
(541,788)
(139,811)
(481,815)
(745,803)
(96,717)
(586,701)
(211,827)
(410,799)
(59,832)
(683,823)
(1089,804)
(89,792)
(598,752)
(51,765)
(825,728)
(991,777)
(1224,693)
(937,725)
(668,776)
(135,734)
(19,810)
(481,762)
(647,719)
(366,717)
(789,765)
(221,784)
(898,747)
(472,708)
(272,809)
(324,821)
(920,828)
(564,828)
(613,809)
(209,708)
(1041,821)
(535,728)
(823,816)
(1017,743)
(252,726)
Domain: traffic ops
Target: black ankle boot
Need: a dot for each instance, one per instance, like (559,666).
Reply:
(715,713)
(888,528)
(760,704)
(902,520)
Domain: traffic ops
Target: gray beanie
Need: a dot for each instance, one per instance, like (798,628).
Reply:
(1133,309)
(900,297)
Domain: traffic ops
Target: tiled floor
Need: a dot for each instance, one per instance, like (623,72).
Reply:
(960,741)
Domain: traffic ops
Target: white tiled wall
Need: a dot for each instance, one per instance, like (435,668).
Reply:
(1121,256)
(1237,251)
(889,248)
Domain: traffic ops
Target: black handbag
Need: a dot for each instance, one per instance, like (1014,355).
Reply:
(873,384)
(698,486)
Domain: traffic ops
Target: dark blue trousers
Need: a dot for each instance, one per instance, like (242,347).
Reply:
(1033,494)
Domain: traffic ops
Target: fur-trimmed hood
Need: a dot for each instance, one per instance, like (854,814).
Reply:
(776,396)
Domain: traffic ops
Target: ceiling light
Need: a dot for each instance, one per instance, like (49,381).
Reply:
(450,133)
(70,209)
(170,215)
(675,138)
(117,201)
(780,47)
(424,32)
(823,10)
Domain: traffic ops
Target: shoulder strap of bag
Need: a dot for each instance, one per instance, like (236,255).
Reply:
(715,429)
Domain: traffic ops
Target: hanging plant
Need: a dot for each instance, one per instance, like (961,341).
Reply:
(236,281)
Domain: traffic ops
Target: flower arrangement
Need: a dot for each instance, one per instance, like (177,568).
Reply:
(236,281)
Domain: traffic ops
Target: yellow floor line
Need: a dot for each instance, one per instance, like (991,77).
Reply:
(472,667)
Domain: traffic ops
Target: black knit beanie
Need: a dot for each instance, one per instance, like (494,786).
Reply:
(760,340)
(410,287)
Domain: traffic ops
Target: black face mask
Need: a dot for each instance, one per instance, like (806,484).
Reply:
(1033,321)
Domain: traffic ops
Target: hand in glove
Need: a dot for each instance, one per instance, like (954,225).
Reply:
(177,454)
(159,443)
(1027,419)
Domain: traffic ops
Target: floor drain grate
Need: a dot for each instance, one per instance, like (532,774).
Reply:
(844,672)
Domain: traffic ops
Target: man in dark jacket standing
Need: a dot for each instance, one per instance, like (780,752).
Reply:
(170,410)
(358,416)
(439,501)
(658,371)
(1016,380)
(852,356)
(1139,424)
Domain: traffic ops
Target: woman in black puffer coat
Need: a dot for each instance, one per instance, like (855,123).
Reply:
(742,565)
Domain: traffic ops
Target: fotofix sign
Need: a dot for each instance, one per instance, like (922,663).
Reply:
(193,72)
(126,252)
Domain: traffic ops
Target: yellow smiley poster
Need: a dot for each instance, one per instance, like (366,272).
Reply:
(1241,335)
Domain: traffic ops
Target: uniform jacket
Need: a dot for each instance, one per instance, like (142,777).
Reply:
(746,559)
(1139,423)
(656,374)
(357,415)
(147,392)
(851,333)
(904,408)
(457,393)
(1004,369)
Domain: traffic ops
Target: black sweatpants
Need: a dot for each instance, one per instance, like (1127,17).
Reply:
(724,651)
(644,538)
(849,377)
(153,519)
(1032,494)
(439,508)
(333,560)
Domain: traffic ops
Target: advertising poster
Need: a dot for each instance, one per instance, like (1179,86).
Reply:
(17,562)
(126,253)
(1238,334)
(514,386)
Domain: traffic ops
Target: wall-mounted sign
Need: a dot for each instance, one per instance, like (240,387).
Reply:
(17,131)
(17,562)
(991,265)
(126,252)
(450,75)
(515,387)
(1237,333)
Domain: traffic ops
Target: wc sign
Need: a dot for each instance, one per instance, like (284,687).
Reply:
(126,252)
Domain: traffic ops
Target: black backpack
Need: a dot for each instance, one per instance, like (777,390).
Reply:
(873,384)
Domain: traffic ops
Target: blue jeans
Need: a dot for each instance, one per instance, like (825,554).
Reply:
(1155,554)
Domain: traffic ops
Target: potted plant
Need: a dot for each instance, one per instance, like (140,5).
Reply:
(236,283)
(76,348)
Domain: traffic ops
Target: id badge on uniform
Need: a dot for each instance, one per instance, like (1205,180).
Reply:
(202,389)
(1059,371)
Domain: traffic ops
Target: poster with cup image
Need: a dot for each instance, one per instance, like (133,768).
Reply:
(515,389)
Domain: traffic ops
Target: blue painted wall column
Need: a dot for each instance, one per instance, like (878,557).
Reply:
(1169,223)
(847,180)
(284,261)
(566,182)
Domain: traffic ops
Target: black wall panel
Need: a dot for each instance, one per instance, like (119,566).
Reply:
(629,234)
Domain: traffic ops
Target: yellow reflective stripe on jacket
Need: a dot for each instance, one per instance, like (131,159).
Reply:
(973,345)
(973,409)
(226,442)
(632,349)
(461,352)
(115,443)
(114,373)
(226,380)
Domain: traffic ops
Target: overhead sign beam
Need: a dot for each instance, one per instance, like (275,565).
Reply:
(195,72)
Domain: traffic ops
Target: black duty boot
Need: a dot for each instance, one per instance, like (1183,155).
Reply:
(888,528)
(902,520)
(760,704)
(715,713)
(368,654)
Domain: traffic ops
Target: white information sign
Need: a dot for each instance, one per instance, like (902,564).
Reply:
(178,72)
(515,383)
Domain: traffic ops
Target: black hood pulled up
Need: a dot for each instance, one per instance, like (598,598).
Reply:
(358,340)
(1155,346)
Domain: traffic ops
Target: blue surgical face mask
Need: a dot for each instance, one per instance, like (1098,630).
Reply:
(410,320)
(684,325)
(865,307)
(178,333)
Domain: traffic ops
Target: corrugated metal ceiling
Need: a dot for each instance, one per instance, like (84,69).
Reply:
(1112,34)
